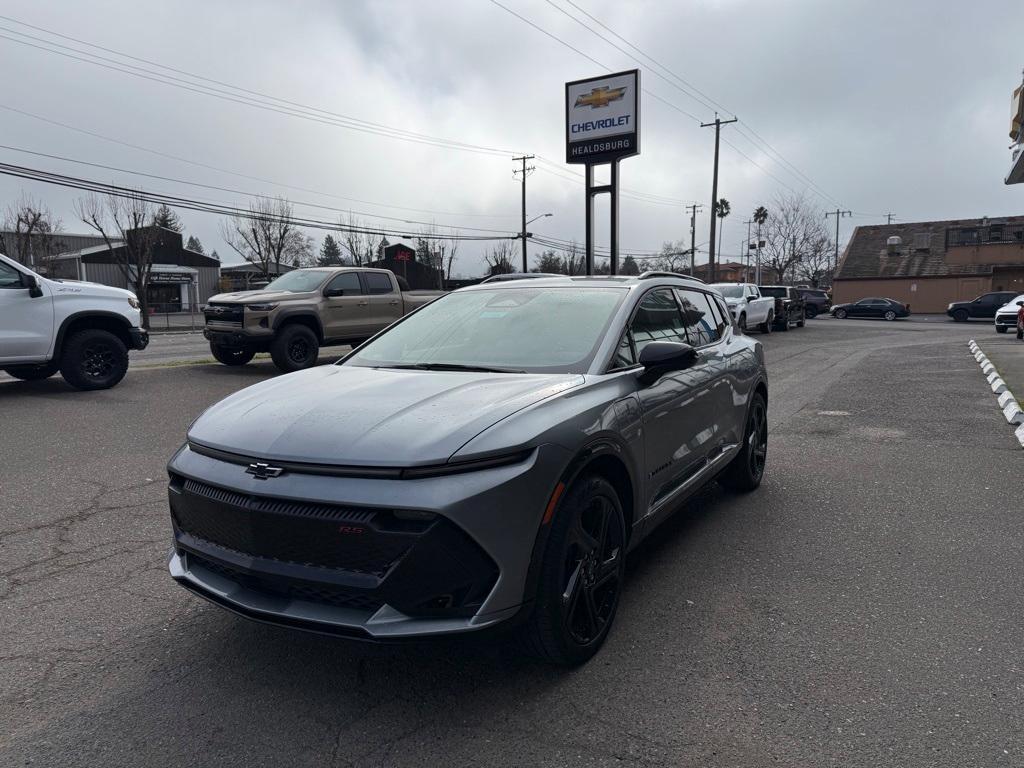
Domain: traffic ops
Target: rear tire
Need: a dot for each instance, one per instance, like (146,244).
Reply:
(581,575)
(768,324)
(745,471)
(890,315)
(231,355)
(960,315)
(803,319)
(811,312)
(294,348)
(93,359)
(33,372)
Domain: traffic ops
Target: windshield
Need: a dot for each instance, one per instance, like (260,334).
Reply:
(1012,303)
(535,330)
(298,281)
(779,293)
(729,291)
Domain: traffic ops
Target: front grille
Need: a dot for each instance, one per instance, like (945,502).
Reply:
(224,313)
(296,590)
(299,533)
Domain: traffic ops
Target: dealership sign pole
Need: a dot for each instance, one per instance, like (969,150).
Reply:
(602,126)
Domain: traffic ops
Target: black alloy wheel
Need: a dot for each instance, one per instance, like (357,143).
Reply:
(93,359)
(581,575)
(294,348)
(746,470)
(232,356)
(840,314)
(890,315)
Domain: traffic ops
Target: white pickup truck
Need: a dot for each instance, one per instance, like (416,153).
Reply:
(748,307)
(83,330)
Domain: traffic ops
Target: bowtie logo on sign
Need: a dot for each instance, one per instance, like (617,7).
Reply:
(600,97)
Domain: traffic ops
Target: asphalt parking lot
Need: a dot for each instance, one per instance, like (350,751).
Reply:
(863,608)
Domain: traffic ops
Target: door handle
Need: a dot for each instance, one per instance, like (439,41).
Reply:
(363,304)
(393,303)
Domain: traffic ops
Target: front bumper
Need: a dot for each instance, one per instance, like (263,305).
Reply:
(328,554)
(1006,321)
(138,338)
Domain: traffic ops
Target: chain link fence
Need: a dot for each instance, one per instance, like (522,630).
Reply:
(172,317)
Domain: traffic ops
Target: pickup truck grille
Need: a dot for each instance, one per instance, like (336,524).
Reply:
(227,314)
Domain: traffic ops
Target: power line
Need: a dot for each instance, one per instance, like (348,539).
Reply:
(198,164)
(222,209)
(237,191)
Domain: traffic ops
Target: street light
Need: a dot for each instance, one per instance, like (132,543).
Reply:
(525,234)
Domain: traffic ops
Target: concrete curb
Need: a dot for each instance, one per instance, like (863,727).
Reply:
(1007,402)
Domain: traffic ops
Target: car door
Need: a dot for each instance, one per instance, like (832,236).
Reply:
(346,308)
(26,321)
(676,409)
(385,300)
(982,306)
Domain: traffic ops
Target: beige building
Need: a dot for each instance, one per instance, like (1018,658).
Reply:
(932,263)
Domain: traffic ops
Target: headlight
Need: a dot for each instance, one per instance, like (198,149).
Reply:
(133,302)
(260,307)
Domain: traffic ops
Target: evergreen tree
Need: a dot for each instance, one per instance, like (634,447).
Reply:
(330,253)
(215,255)
(166,218)
(193,244)
(629,266)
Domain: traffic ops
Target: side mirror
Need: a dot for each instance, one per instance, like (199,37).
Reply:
(1020,303)
(659,357)
(749,299)
(32,283)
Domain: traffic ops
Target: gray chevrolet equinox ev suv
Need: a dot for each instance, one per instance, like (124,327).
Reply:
(489,459)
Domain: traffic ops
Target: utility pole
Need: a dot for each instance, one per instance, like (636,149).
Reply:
(714,193)
(838,213)
(746,249)
(889,217)
(524,171)
(693,237)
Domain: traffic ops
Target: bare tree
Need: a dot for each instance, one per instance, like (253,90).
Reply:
(362,246)
(674,257)
(450,255)
(126,226)
(575,259)
(29,234)
(267,236)
(795,233)
(499,260)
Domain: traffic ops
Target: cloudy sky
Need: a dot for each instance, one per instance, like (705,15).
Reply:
(876,107)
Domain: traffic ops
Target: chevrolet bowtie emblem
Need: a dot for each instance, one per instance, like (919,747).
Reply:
(261,470)
(600,97)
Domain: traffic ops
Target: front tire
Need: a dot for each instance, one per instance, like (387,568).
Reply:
(33,372)
(840,314)
(294,348)
(231,355)
(742,323)
(581,575)
(745,471)
(960,316)
(93,359)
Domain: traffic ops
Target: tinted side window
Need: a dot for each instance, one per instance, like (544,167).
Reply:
(702,326)
(657,319)
(347,282)
(9,277)
(723,311)
(377,282)
(624,356)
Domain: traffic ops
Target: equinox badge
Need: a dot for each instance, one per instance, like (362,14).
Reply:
(261,470)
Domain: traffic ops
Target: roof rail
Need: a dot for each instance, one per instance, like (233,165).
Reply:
(646,275)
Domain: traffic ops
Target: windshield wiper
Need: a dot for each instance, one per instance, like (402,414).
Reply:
(450,367)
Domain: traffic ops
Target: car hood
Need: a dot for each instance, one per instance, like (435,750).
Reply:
(247,297)
(83,288)
(346,415)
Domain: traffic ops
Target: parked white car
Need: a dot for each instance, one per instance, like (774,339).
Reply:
(1006,315)
(84,330)
(748,307)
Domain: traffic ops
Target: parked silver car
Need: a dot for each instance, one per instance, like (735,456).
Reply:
(489,459)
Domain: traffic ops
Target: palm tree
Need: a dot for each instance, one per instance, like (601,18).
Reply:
(760,217)
(722,209)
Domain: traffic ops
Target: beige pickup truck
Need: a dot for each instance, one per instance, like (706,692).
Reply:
(306,309)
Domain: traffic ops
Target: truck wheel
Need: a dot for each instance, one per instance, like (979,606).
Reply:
(294,347)
(960,315)
(35,372)
(93,359)
(802,321)
(811,312)
(742,323)
(785,324)
(767,325)
(231,355)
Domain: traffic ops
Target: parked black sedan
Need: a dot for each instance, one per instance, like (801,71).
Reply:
(888,309)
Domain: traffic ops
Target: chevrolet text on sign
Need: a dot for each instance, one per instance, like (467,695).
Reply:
(602,117)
